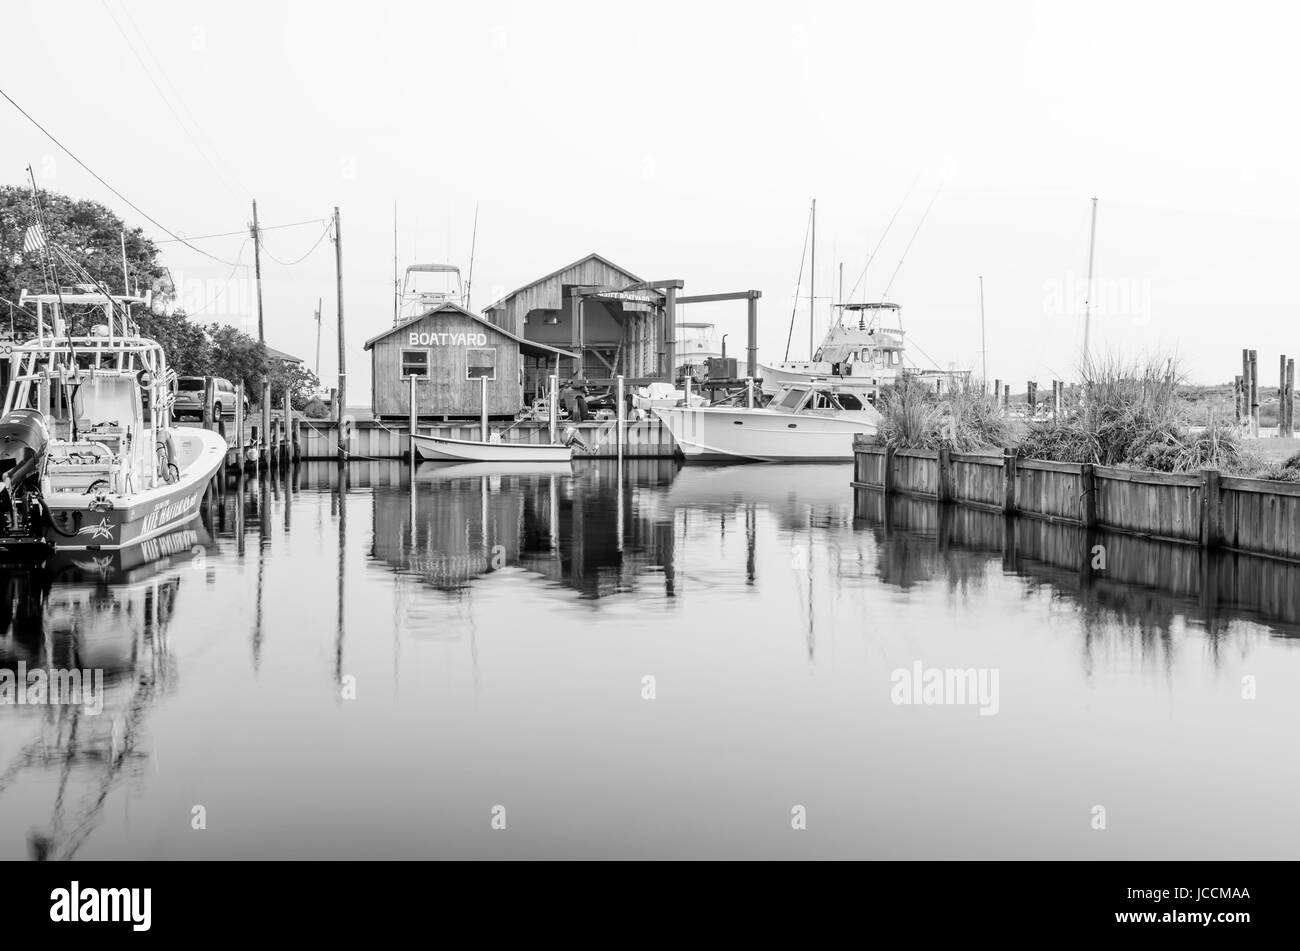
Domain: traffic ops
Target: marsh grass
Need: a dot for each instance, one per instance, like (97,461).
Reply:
(964,417)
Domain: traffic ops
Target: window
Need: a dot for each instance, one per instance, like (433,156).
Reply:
(415,363)
(895,358)
(481,362)
(849,401)
(792,398)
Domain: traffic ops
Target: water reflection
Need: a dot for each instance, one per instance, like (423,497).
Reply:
(1114,581)
(86,611)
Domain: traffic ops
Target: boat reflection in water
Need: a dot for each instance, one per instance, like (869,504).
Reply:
(106,615)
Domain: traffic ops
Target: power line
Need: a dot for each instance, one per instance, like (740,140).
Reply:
(163,96)
(298,260)
(138,210)
(243,231)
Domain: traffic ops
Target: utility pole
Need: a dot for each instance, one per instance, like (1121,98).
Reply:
(812,281)
(343,375)
(261,332)
(396,287)
(1087,304)
(319,301)
(984,354)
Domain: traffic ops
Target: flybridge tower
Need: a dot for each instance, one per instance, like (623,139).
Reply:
(427,286)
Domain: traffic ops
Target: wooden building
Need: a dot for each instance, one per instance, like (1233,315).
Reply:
(447,351)
(617,332)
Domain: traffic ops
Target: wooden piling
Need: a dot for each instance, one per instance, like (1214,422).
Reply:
(286,449)
(1254,393)
(1031,395)
(1211,509)
(1236,399)
(943,485)
(209,402)
(1290,396)
(1006,395)
(1009,480)
(1088,501)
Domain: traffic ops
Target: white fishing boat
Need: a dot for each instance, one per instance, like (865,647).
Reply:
(89,457)
(442,449)
(806,422)
(865,345)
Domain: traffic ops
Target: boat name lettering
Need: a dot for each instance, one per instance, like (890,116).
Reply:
(167,511)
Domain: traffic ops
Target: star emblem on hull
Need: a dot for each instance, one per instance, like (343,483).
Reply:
(103,530)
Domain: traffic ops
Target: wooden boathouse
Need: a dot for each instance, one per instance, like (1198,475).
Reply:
(448,351)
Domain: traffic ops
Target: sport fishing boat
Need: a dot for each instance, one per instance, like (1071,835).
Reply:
(806,422)
(89,457)
(858,347)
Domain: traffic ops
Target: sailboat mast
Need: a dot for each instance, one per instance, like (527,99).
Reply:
(812,281)
(1087,304)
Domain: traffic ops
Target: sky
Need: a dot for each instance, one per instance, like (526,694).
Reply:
(686,140)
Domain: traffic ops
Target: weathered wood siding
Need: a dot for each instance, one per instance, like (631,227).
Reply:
(1049,489)
(1261,516)
(547,294)
(1159,504)
(977,478)
(916,472)
(447,392)
(1252,516)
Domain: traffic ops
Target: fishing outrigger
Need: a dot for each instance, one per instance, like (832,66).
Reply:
(89,457)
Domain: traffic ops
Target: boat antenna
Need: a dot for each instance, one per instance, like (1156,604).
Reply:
(797,284)
(884,234)
(473,244)
(925,214)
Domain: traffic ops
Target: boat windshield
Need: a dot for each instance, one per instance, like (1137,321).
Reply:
(848,401)
(792,397)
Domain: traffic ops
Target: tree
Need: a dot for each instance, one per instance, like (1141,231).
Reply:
(302,384)
(87,230)
(237,356)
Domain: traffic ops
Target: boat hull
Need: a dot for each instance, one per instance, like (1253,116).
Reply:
(133,519)
(437,449)
(719,434)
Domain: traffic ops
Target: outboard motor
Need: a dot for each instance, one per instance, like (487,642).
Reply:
(23,443)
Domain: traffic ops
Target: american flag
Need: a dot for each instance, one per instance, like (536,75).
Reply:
(34,239)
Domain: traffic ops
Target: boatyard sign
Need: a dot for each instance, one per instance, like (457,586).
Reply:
(433,338)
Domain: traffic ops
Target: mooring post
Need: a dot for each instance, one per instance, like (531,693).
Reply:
(622,415)
(1211,509)
(553,410)
(997,392)
(239,424)
(483,408)
(1254,393)
(943,490)
(1290,396)
(411,421)
(1088,496)
(1009,480)
(887,474)
(287,448)
(209,402)
(1236,398)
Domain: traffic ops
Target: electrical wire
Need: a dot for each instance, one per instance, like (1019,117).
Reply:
(163,96)
(305,256)
(244,232)
(49,135)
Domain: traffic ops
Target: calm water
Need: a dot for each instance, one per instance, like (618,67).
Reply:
(496,630)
